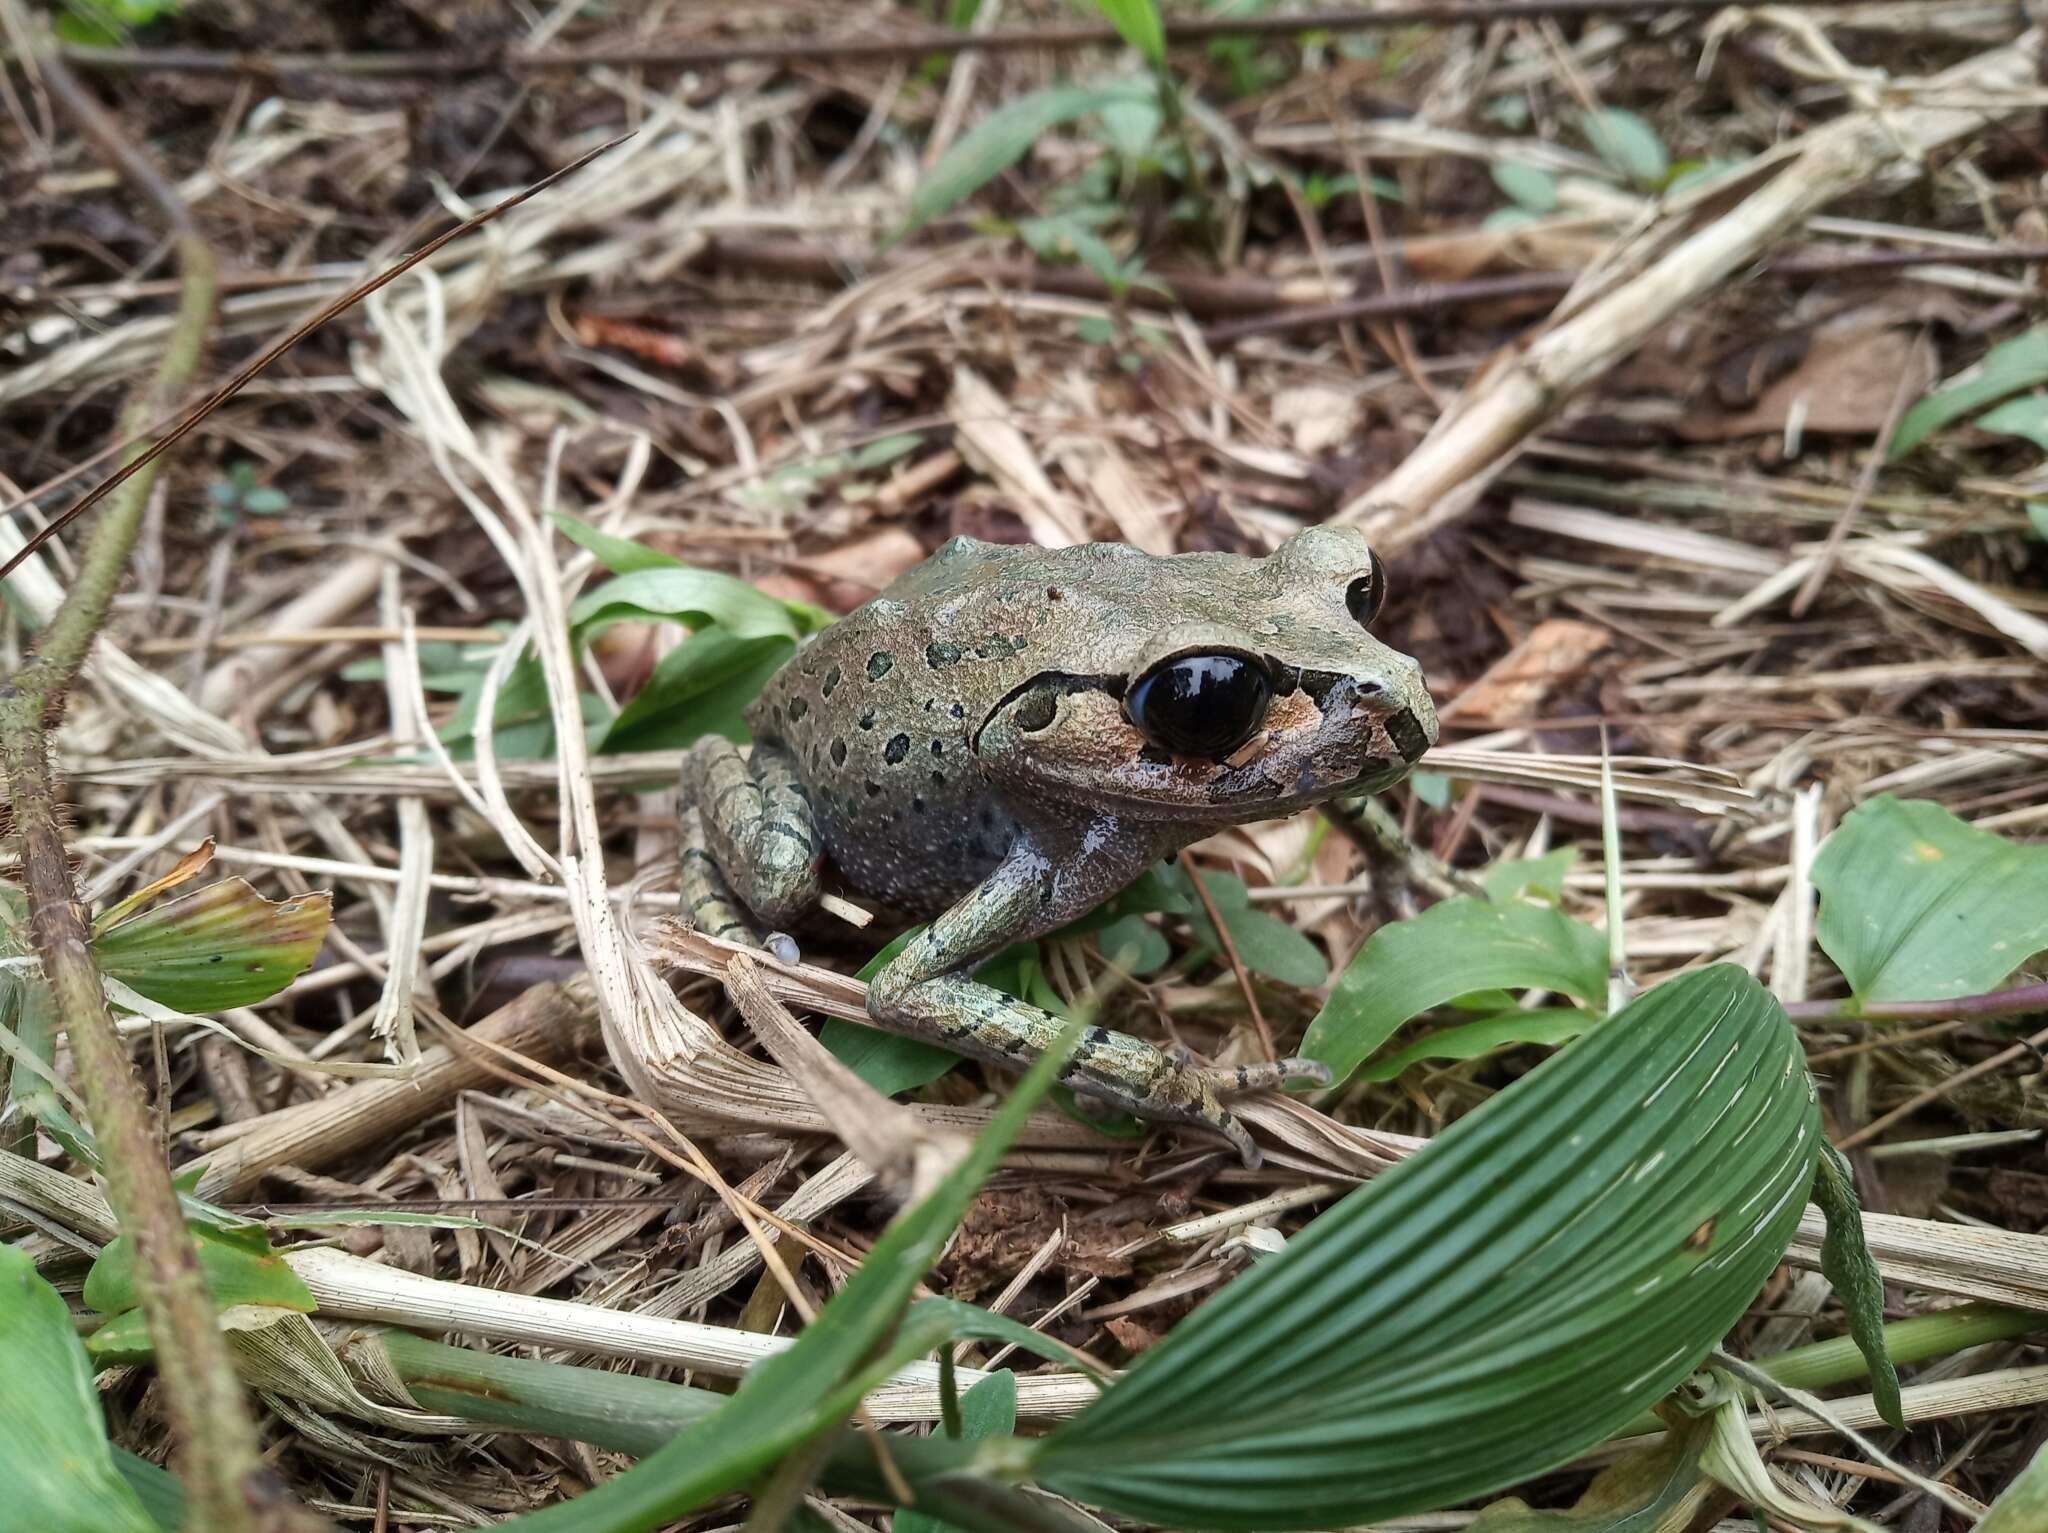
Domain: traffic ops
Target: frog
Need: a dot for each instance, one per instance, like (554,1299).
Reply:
(1008,735)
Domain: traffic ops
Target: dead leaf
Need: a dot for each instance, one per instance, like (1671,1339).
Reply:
(1516,686)
(988,438)
(1315,418)
(1844,384)
(854,572)
(188,868)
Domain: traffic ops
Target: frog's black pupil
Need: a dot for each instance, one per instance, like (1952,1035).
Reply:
(1367,592)
(1201,705)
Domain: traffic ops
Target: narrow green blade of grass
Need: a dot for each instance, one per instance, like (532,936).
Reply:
(1003,138)
(2008,367)
(1139,24)
(1545,1269)
(811,1387)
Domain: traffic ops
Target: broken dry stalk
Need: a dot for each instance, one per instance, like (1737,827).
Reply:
(231,1487)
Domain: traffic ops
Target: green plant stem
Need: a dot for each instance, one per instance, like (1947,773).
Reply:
(2016,1002)
(232,1489)
(1822,1364)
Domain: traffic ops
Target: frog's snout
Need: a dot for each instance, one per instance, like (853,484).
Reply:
(1414,728)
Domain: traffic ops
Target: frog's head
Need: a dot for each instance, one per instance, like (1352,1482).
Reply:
(1219,688)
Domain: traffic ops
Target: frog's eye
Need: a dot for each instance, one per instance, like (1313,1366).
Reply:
(1367,592)
(1200,705)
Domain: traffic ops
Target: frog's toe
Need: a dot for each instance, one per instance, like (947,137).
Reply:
(1226,1124)
(1238,1080)
(781,946)
(1303,1071)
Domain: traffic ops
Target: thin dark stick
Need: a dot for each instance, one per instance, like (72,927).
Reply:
(286,342)
(848,49)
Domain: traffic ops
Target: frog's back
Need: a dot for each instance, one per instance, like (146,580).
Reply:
(878,713)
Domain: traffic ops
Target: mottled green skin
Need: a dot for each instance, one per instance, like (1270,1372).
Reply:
(959,746)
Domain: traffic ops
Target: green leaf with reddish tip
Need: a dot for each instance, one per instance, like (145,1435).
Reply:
(224,945)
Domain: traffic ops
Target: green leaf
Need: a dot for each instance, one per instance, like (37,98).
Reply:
(1470,1040)
(2020,363)
(622,556)
(1265,944)
(887,1062)
(1131,128)
(1917,905)
(1450,949)
(701,687)
(890,1064)
(222,946)
(1846,1262)
(1144,950)
(266,500)
(1628,143)
(1495,1305)
(1003,138)
(234,1275)
(1433,788)
(123,1341)
(792,1396)
(1687,174)
(681,594)
(54,1457)
(987,1410)
(2024,417)
(157,1489)
(1521,877)
(1525,186)
(1138,23)
(1268,945)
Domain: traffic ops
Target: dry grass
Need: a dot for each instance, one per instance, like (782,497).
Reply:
(1693,553)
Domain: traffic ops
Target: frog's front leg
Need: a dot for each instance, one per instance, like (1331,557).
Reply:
(1047,879)
(758,833)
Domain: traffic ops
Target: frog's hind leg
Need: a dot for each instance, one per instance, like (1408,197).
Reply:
(705,897)
(755,822)
(927,990)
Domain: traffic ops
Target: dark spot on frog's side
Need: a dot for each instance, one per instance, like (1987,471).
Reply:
(797,709)
(839,753)
(867,718)
(897,748)
(938,654)
(831,681)
(879,663)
